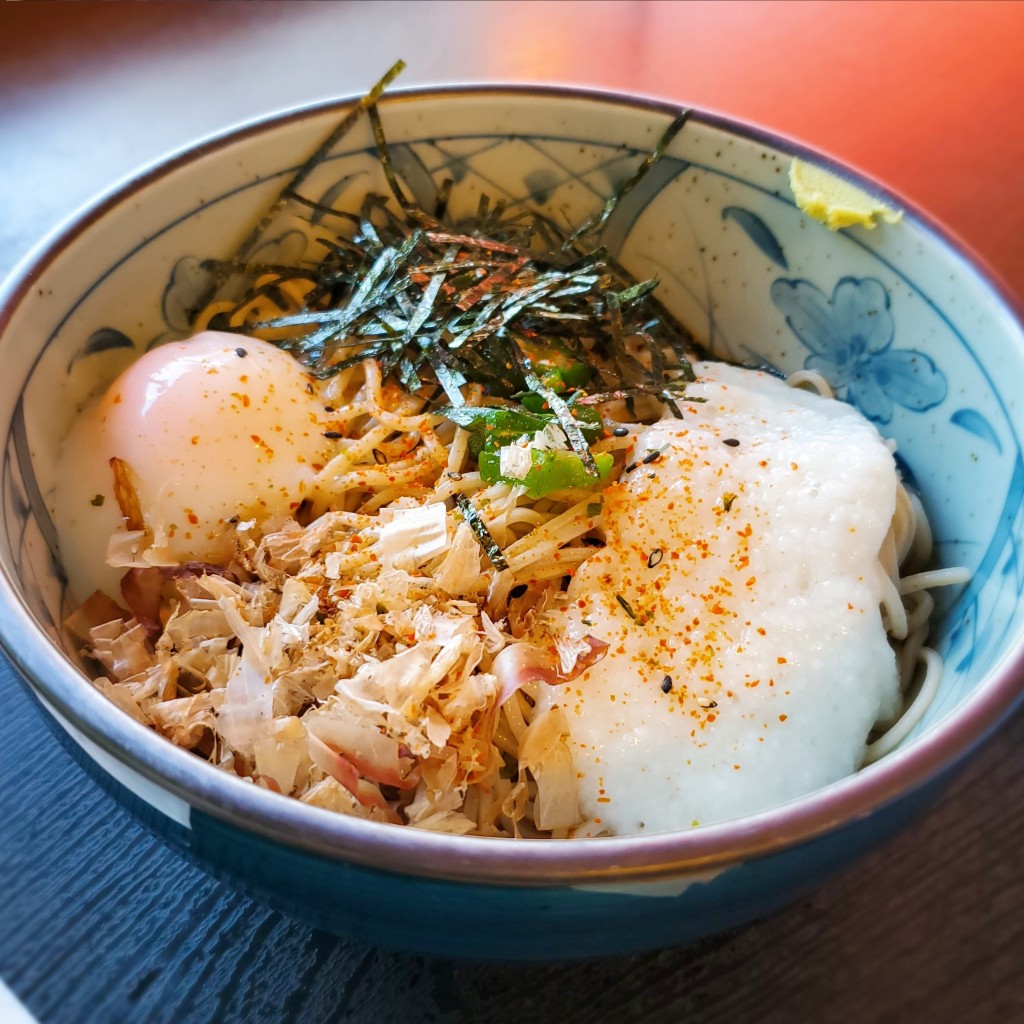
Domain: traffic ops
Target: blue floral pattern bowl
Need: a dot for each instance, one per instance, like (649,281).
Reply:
(901,322)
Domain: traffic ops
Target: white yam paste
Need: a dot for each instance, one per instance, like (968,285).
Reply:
(749,577)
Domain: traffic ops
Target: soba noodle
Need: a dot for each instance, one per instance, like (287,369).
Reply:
(406,672)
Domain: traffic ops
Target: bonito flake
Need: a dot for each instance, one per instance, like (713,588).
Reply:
(342,663)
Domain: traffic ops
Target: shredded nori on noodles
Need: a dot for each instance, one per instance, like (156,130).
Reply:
(484,300)
(483,535)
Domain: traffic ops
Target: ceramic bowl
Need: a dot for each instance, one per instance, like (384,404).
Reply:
(899,318)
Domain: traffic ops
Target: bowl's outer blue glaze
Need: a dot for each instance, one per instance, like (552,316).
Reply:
(897,318)
(506,922)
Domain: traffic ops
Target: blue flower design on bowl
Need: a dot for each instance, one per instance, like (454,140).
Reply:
(850,336)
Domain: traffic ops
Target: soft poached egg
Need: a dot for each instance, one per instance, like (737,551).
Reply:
(212,430)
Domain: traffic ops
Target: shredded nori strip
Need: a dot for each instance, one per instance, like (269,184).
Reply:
(291,189)
(601,218)
(483,535)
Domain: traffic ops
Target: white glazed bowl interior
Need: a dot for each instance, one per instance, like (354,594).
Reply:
(754,278)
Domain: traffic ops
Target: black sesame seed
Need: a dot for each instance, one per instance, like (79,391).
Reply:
(650,457)
(631,467)
(620,432)
(379,457)
(654,558)
(241,353)
(666,684)
(732,442)
(454,476)
(333,434)
(328,408)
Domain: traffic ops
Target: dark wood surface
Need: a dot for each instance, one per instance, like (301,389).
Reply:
(98,921)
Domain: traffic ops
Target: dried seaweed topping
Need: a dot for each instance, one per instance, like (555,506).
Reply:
(506,299)
(483,535)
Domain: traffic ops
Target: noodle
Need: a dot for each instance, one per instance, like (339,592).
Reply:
(912,714)
(908,606)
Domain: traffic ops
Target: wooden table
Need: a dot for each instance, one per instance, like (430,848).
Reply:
(100,923)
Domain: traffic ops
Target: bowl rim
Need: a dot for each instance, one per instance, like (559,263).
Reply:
(415,852)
